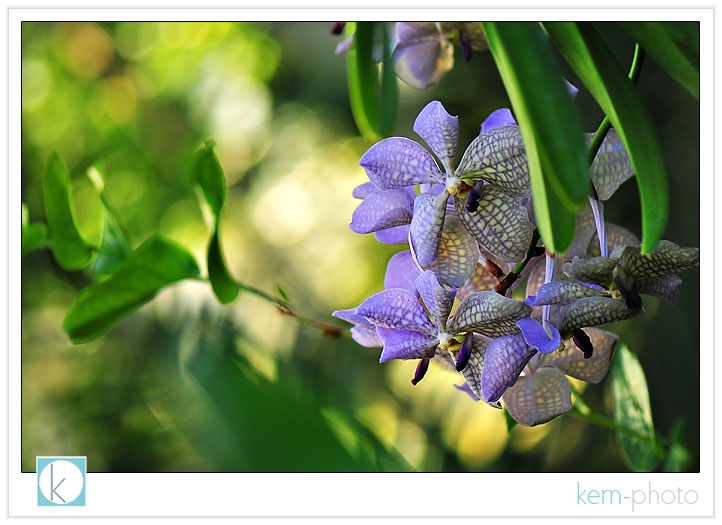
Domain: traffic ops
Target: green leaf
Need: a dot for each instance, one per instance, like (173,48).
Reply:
(658,42)
(389,89)
(679,458)
(510,421)
(34,235)
(278,428)
(222,282)
(156,264)
(550,125)
(114,245)
(632,411)
(207,172)
(595,64)
(69,249)
(362,76)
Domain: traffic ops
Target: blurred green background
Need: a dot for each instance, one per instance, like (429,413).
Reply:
(186,384)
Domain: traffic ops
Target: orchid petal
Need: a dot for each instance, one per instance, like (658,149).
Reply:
(583,233)
(488,313)
(498,156)
(439,130)
(616,236)
(500,225)
(401,271)
(667,258)
(664,287)
(497,119)
(422,62)
(397,162)
(395,235)
(364,333)
(457,254)
(562,292)
(505,358)
(472,371)
(571,360)
(539,397)
(611,167)
(479,281)
(426,226)
(381,210)
(466,388)
(595,270)
(364,190)
(438,300)
(593,311)
(537,337)
(397,308)
(403,344)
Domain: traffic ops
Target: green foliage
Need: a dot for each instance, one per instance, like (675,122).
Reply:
(594,62)
(156,264)
(373,110)
(510,421)
(34,234)
(679,458)
(550,125)
(632,411)
(208,174)
(657,38)
(277,430)
(69,248)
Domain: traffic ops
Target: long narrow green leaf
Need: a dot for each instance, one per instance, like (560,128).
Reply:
(655,39)
(69,249)
(156,264)
(550,125)
(362,76)
(208,174)
(594,62)
(389,89)
(633,411)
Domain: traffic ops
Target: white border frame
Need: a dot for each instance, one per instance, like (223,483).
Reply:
(359,494)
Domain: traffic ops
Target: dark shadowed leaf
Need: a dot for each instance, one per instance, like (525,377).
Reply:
(679,458)
(156,264)
(658,42)
(550,125)
(595,64)
(34,235)
(389,89)
(224,286)
(69,249)
(632,410)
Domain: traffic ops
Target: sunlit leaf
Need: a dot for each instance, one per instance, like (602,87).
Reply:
(69,249)
(658,42)
(632,410)
(595,64)
(156,264)
(34,235)
(208,174)
(550,125)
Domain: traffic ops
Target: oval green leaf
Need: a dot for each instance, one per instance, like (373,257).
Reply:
(550,125)
(156,264)
(595,64)
(207,172)
(69,249)
(222,282)
(632,411)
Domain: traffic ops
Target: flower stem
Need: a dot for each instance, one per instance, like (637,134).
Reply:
(506,281)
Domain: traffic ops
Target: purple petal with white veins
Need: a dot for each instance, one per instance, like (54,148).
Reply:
(397,308)
(438,300)
(616,236)
(383,333)
(366,337)
(439,130)
(350,316)
(500,224)
(426,226)
(479,281)
(571,360)
(402,344)
(364,190)
(406,31)
(488,313)
(539,397)
(395,235)
(498,156)
(381,210)
(593,311)
(537,337)
(562,292)
(500,117)
(667,258)
(421,63)
(611,167)
(397,162)
(473,370)
(401,272)
(505,358)
(466,388)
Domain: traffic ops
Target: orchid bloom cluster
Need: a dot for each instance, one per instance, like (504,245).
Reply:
(470,226)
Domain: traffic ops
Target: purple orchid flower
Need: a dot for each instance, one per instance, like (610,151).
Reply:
(500,223)
(416,331)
